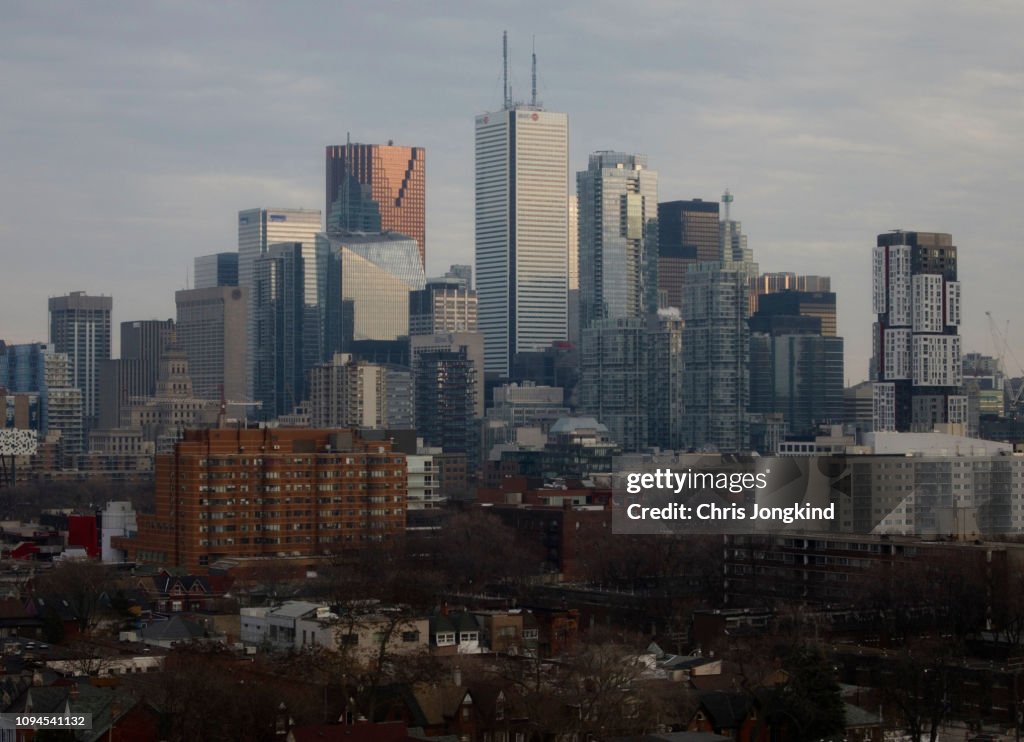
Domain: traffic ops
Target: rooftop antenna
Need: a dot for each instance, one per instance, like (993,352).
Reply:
(727,200)
(533,76)
(346,186)
(506,90)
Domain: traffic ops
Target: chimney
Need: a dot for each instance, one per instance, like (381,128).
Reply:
(457,676)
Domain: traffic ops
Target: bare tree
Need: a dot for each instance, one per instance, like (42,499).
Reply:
(79,583)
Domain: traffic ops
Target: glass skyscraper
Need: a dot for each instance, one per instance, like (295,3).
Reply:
(258,229)
(618,238)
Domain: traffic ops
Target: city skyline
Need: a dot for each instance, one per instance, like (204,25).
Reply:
(145,155)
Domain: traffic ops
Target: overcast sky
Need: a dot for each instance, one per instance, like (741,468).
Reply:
(132,133)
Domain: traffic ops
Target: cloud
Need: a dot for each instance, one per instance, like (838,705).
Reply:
(130,135)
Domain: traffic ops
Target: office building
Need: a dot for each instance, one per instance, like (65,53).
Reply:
(134,375)
(773,283)
(444,305)
(211,329)
(820,305)
(522,231)
(368,278)
(243,493)
(145,341)
(378,188)
(917,366)
(80,327)
(796,371)
(219,269)
(618,238)
(258,229)
(687,234)
(287,327)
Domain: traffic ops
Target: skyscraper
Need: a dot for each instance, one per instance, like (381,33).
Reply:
(219,269)
(258,229)
(716,300)
(917,366)
(146,341)
(618,238)
(820,304)
(392,177)
(796,369)
(287,326)
(574,270)
(522,230)
(211,330)
(445,305)
(366,281)
(80,327)
(449,392)
(687,234)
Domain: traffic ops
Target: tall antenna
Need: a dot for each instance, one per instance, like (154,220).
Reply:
(505,90)
(533,75)
(727,200)
(346,186)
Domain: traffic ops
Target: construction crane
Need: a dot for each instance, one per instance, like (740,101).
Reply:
(1002,343)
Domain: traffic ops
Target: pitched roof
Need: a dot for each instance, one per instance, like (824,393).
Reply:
(364,731)
(439,702)
(725,710)
(175,629)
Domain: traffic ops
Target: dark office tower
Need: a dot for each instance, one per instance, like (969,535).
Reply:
(687,233)
(795,371)
(917,366)
(618,238)
(146,341)
(80,327)
(220,269)
(394,178)
(287,329)
(819,304)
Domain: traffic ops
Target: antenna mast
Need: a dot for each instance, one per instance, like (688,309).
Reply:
(533,76)
(505,90)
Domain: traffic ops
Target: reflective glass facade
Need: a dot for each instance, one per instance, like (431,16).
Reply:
(618,237)
(396,180)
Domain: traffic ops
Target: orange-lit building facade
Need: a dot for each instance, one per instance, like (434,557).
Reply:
(237,493)
(397,177)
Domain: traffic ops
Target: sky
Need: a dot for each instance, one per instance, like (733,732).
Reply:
(131,134)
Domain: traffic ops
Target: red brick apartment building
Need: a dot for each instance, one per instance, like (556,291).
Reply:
(237,493)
